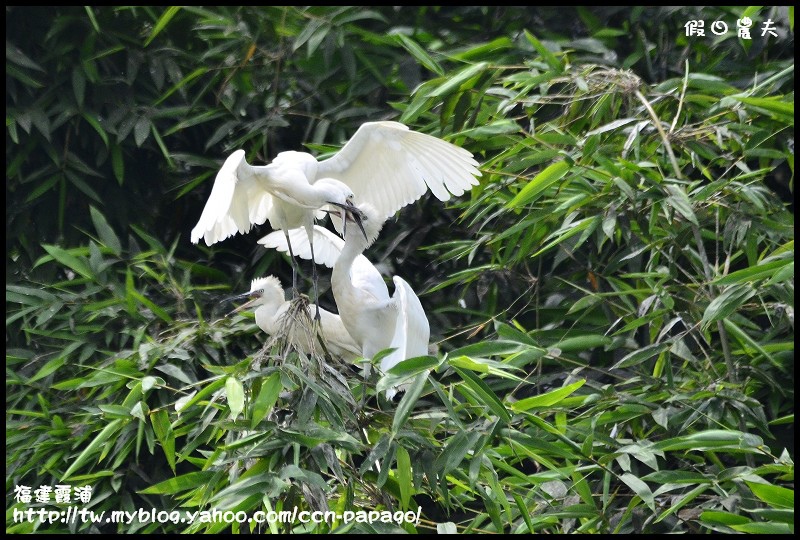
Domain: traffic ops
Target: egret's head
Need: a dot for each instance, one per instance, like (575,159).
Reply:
(262,291)
(336,192)
(340,195)
(264,285)
(370,224)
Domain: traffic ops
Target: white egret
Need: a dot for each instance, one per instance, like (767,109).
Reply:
(384,164)
(244,194)
(375,320)
(272,311)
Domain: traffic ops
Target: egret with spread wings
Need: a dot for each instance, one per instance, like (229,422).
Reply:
(384,164)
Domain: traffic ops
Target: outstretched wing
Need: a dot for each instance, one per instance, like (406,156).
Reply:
(235,204)
(389,166)
(327,247)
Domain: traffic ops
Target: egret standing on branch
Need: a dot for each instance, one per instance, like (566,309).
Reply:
(384,164)
(375,320)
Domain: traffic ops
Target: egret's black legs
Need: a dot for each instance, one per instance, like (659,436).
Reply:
(314,279)
(295,292)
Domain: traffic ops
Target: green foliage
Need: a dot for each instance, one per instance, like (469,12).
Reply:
(615,300)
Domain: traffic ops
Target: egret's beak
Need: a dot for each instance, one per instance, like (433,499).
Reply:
(358,218)
(244,306)
(351,213)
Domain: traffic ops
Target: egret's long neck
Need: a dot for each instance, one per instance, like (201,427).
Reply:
(352,249)
(348,300)
(273,301)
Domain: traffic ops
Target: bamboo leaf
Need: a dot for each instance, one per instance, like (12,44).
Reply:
(408,402)
(754,273)
(775,496)
(679,200)
(235,394)
(713,440)
(165,435)
(548,399)
(65,258)
(162,23)
(181,483)
(487,396)
(266,399)
(540,182)
(726,303)
(640,488)
(454,82)
(94,447)
(107,235)
(548,56)
(404,477)
(419,53)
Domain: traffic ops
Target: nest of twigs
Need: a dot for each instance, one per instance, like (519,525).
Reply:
(300,341)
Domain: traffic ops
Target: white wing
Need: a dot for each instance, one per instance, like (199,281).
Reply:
(417,328)
(412,331)
(389,166)
(235,204)
(327,247)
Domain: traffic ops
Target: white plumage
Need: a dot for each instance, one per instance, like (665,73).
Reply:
(375,320)
(271,314)
(389,166)
(384,164)
(383,167)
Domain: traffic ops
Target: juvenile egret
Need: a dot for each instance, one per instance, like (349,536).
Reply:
(375,320)
(384,164)
(271,313)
